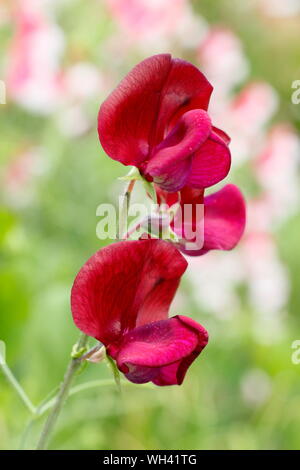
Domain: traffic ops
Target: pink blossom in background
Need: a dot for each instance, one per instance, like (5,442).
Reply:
(143,18)
(174,25)
(33,70)
(82,82)
(222,59)
(276,169)
(247,115)
(260,215)
(20,175)
(254,106)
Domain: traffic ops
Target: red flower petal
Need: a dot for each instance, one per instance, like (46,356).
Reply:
(187,195)
(225,137)
(161,351)
(146,104)
(124,285)
(224,220)
(171,162)
(210,164)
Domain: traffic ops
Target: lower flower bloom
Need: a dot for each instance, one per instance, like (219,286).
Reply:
(121,297)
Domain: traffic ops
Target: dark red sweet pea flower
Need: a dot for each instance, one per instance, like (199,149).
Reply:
(121,297)
(224,218)
(156,119)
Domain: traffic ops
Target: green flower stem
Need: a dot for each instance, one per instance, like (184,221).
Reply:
(15,384)
(115,371)
(90,385)
(63,393)
(124,210)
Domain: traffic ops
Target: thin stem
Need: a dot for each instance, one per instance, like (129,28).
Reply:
(89,385)
(63,393)
(15,384)
(124,209)
(115,371)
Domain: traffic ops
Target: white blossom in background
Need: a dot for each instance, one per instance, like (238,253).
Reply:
(191,30)
(83,80)
(214,277)
(279,8)
(256,387)
(267,278)
(73,121)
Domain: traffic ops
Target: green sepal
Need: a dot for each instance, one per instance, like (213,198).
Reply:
(133,174)
(116,374)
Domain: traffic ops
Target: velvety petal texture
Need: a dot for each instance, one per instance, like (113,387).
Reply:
(156,119)
(211,163)
(121,296)
(171,163)
(136,273)
(161,351)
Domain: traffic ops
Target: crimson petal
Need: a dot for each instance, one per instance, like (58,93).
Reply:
(161,351)
(146,104)
(211,163)
(224,220)
(225,137)
(171,162)
(124,285)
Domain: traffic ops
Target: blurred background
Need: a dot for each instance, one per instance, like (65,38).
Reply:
(59,61)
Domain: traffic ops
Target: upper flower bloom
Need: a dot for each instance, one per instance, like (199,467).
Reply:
(121,296)
(156,119)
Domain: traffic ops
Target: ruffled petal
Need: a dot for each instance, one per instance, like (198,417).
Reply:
(210,164)
(171,163)
(147,103)
(186,88)
(124,285)
(161,351)
(225,137)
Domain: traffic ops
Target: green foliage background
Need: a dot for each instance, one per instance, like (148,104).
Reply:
(43,245)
